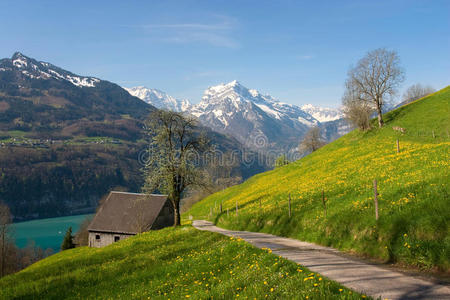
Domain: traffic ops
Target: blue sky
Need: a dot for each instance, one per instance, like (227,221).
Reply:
(297,51)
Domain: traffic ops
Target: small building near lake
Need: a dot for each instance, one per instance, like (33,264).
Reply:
(126,214)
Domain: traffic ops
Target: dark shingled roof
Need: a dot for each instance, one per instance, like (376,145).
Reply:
(127,213)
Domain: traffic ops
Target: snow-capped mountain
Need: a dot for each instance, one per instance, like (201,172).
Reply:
(159,98)
(42,70)
(256,120)
(323,114)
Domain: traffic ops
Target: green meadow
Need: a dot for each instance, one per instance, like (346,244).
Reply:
(413,186)
(173,263)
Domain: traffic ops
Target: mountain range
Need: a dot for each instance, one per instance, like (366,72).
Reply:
(258,121)
(159,99)
(67,139)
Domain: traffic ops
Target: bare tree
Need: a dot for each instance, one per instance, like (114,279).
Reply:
(221,172)
(355,111)
(416,91)
(174,146)
(312,140)
(375,78)
(5,238)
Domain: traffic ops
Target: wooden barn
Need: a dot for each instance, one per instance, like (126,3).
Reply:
(126,214)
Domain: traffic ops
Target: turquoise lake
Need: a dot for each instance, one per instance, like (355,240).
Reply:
(46,233)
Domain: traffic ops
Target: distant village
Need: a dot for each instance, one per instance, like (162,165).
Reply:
(45,143)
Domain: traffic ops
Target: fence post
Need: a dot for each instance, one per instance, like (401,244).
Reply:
(289,205)
(324,202)
(228,212)
(375,193)
(237,208)
(398,146)
(220,207)
(434,136)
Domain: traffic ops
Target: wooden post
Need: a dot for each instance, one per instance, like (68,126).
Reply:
(237,208)
(324,202)
(228,212)
(398,146)
(289,205)
(220,207)
(434,136)
(375,193)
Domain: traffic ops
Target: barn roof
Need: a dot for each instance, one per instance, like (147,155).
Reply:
(127,212)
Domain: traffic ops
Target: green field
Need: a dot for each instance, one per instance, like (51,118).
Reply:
(45,233)
(414,202)
(170,264)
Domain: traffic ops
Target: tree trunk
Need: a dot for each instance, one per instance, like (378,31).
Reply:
(176,211)
(380,115)
(176,215)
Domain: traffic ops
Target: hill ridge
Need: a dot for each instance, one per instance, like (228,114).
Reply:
(412,186)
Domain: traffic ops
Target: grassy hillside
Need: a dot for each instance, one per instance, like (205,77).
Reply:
(413,227)
(170,264)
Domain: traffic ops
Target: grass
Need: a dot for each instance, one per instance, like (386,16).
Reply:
(413,227)
(170,264)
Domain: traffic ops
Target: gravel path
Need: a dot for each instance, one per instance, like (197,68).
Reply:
(367,278)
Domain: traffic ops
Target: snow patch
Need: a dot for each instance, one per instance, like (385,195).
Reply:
(159,99)
(20,62)
(323,114)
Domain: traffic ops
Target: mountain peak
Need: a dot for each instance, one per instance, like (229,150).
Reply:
(19,60)
(234,83)
(159,98)
(322,114)
(39,70)
(18,54)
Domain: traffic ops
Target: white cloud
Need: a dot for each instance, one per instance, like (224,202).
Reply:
(305,57)
(217,33)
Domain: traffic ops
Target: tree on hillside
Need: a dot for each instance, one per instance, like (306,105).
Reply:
(416,91)
(68,240)
(174,149)
(312,140)
(375,78)
(5,238)
(281,161)
(355,111)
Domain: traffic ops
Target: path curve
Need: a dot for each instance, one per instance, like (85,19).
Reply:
(370,279)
